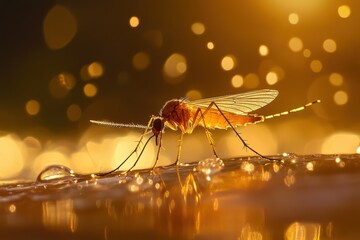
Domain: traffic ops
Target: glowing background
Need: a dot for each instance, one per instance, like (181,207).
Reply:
(64,63)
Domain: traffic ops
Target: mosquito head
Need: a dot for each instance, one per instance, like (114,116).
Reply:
(157,127)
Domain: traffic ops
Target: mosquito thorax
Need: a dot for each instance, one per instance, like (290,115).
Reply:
(169,107)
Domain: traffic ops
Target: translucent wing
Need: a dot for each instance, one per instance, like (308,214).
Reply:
(241,103)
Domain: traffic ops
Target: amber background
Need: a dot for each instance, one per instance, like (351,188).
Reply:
(64,63)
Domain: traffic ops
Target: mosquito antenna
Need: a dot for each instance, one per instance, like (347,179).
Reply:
(119,125)
(134,151)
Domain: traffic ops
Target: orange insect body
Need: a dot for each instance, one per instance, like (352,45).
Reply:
(213,120)
(176,114)
(218,112)
(179,114)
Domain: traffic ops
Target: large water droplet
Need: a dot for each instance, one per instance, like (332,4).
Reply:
(55,173)
(209,166)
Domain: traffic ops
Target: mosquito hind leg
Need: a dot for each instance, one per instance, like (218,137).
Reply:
(236,132)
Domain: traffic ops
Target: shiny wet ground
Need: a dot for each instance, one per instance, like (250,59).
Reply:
(301,197)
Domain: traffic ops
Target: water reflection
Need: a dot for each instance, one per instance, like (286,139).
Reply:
(249,198)
(303,231)
(59,215)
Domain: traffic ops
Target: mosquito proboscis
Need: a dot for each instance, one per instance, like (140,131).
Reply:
(222,112)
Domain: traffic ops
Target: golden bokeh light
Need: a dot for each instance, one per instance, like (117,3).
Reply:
(293,18)
(210,45)
(303,231)
(263,50)
(12,208)
(310,166)
(193,94)
(134,21)
(174,68)
(316,66)
(336,79)
(237,81)
(61,84)
(329,45)
(73,112)
(90,90)
(228,62)
(272,78)
(295,44)
(95,70)
(141,61)
(198,28)
(32,107)
(60,27)
(251,81)
(341,97)
(344,11)
(358,150)
(340,142)
(247,167)
(307,53)
(12,159)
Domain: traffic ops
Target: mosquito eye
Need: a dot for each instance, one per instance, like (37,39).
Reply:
(158,125)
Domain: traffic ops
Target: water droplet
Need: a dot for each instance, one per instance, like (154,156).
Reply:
(55,173)
(210,166)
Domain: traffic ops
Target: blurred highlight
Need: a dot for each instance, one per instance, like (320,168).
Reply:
(32,107)
(134,21)
(344,11)
(60,27)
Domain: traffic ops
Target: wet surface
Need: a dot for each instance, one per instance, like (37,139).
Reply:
(301,197)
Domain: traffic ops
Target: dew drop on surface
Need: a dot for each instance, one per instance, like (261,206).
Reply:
(210,166)
(55,173)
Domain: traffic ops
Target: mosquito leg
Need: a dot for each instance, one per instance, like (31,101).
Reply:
(142,151)
(207,132)
(158,152)
(134,151)
(236,132)
(104,174)
(179,149)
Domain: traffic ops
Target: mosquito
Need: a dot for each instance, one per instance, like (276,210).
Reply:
(223,112)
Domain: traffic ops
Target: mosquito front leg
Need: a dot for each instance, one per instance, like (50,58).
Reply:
(134,151)
(142,151)
(158,151)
